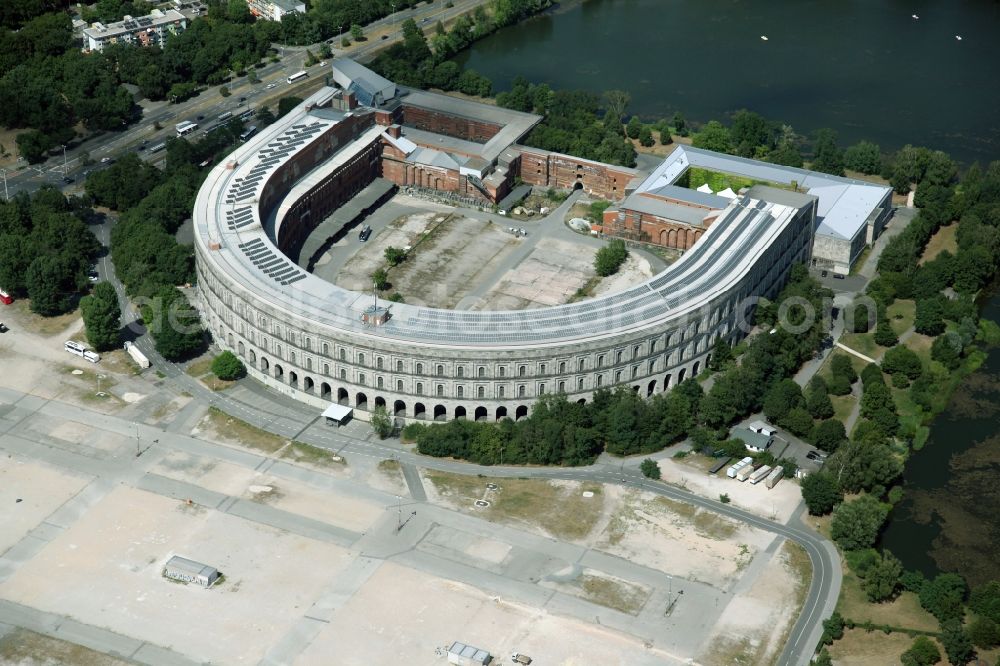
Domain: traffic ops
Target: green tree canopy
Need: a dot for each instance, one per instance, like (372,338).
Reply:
(856,524)
(865,157)
(821,493)
(102,317)
(228,366)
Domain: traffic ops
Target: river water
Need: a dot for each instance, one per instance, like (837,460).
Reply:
(865,68)
(949,518)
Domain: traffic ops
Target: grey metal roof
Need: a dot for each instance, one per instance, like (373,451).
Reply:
(713,201)
(666,209)
(346,72)
(845,204)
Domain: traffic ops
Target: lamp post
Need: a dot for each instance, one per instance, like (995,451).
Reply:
(137,451)
(99,378)
(65,166)
(6,196)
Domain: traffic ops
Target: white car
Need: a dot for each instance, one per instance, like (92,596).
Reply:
(271,85)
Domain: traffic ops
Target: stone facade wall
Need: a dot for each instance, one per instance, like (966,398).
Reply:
(317,364)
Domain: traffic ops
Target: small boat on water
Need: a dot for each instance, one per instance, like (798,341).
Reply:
(914,17)
(763,37)
(958,37)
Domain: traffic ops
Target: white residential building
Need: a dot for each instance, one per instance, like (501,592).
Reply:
(141,31)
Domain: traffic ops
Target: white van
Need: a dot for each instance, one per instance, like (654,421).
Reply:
(93,357)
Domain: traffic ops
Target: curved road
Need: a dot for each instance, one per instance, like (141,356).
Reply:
(291,419)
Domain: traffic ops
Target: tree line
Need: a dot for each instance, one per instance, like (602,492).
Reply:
(46,249)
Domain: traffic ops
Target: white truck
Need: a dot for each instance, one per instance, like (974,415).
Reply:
(760,474)
(137,355)
(519,658)
(735,469)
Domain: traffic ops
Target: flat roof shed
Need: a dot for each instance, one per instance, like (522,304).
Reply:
(188,571)
(337,414)
(467,655)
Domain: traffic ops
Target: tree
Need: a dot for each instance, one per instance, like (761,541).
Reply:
(821,493)
(394,255)
(381,422)
(985,600)
(713,136)
(984,633)
(833,629)
(357,32)
(823,658)
(798,421)
(956,643)
(865,157)
(903,360)
(51,285)
(646,137)
(856,524)
(923,652)
(634,127)
(680,125)
(929,319)
(819,404)
(610,257)
(829,435)
(102,317)
(862,318)
(381,279)
(841,365)
(947,350)
(174,324)
(943,597)
(827,156)
(228,366)
(884,335)
(616,101)
(722,354)
(650,469)
(882,578)
(781,399)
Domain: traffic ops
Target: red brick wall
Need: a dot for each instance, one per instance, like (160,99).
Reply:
(647,228)
(456,126)
(565,171)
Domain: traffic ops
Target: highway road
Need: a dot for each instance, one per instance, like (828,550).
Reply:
(210,103)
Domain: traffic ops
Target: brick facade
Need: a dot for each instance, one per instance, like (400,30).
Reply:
(459,127)
(545,169)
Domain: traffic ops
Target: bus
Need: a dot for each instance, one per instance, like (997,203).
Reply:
(299,75)
(246,115)
(157,148)
(225,116)
(186,127)
(250,131)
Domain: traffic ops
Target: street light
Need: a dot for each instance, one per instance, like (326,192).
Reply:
(99,378)
(6,197)
(65,167)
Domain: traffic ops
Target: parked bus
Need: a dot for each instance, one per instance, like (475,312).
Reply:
(246,115)
(158,147)
(186,127)
(298,75)
(250,131)
(223,117)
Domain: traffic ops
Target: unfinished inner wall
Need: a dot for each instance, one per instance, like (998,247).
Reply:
(456,126)
(547,169)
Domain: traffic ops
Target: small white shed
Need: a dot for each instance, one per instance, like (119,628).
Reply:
(337,414)
(188,571)
(468,655)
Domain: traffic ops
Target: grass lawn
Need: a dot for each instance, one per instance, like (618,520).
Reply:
(901,315)
(35,323)
(202,371)
(314,455)
(862,648)
(560,509)
(235,431)
(842,406)
(944,239)
(904,611)
(859,263)
(862,342)
(613,593)
(21,646)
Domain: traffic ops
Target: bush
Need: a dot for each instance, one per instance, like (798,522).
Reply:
(923,652)
(856,524)
(724,498)
(412,431)
(610,257)
(821,493)
(381,422)
(224,91)
(903,360)
(984,632)
(228,366)
(650,469)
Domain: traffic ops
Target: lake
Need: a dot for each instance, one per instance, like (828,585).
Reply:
(867,69)
(948,518)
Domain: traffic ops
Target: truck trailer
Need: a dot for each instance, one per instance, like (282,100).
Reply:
(137,355)
(772,479)
(744,473)
(760,474)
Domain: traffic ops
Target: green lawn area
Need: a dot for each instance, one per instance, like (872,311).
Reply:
(944,239)
(695,177)
(901,315)
(842,406)
(864,343)
(904,611)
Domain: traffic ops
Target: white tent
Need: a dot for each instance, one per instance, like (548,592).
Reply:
(705,189)
(337,414)
(728,193)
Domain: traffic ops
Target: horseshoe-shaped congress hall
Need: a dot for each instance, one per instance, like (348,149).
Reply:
(323,344)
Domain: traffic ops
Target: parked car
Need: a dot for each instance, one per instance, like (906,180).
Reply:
(823,274)
(365,234)
(242,99)
(67,180)
(816,455)
(270,85)
(839,276)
